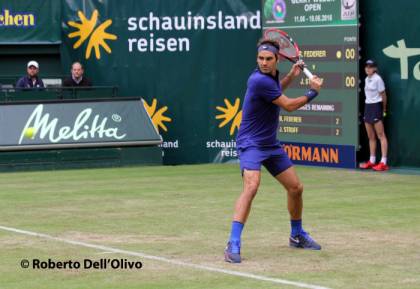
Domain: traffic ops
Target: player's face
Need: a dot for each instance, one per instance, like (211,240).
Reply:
(370,70)
(77,70)
(32,71)
(267,62)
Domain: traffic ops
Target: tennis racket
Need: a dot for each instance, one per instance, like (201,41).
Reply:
(288,48)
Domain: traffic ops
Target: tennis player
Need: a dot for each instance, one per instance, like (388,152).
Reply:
(375,107)
(257,145)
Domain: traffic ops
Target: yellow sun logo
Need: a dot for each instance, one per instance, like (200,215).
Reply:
(86,28)
(230,113)
(157,117)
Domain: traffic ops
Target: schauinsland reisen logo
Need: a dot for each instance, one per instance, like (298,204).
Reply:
(157,115)
(87,30)
(231,113)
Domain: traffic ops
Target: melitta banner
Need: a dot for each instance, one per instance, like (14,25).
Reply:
(189,60)
(75,124)
(30,22)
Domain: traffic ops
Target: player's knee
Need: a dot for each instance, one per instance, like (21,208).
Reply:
(381,136)
(251,189)
(296,190)
(371,136)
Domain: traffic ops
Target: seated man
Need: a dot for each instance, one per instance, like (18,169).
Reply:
(76,78)
(31,80)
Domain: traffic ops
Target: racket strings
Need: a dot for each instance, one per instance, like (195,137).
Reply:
(287,48)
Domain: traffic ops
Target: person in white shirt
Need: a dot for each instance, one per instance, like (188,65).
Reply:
(375,110)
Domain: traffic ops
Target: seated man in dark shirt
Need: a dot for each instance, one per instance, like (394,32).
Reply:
(77,78)
(31,80)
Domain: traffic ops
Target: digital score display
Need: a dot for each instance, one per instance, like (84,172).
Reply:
(325,131)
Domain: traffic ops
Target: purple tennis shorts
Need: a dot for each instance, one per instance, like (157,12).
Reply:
(274,159)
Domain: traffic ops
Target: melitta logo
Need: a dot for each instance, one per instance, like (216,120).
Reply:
(86,126)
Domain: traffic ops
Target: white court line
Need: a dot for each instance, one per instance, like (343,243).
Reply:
(166,260)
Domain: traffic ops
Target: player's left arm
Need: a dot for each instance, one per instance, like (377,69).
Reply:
(382,93)
(293,73)
(384,99)
(292,104)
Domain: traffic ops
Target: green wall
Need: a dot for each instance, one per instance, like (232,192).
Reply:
(38,38)
(188,89)
(183,85)
(13,59)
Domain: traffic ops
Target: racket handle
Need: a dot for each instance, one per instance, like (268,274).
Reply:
(307,73)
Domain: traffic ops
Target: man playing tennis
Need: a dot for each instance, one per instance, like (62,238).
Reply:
(257,145)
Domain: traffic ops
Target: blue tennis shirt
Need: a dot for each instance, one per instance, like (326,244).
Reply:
(260,117)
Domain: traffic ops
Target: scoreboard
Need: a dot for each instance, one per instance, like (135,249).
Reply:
(324,132)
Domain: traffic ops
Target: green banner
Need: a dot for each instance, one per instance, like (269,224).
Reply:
(189,60)
(395,45)
(30,22)
(75,124)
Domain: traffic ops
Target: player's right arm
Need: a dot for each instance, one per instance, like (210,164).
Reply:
(292,104)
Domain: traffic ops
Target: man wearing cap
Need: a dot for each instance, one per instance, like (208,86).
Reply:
(375,109)
(258,146)
(31,80)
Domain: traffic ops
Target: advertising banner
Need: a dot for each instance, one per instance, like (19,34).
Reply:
(30,22)
(321,154)
(53,125)
(189,60)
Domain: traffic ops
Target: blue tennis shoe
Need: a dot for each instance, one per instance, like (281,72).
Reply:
(233,252)
(304,241)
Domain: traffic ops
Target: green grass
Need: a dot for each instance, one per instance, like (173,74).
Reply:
(368,224)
